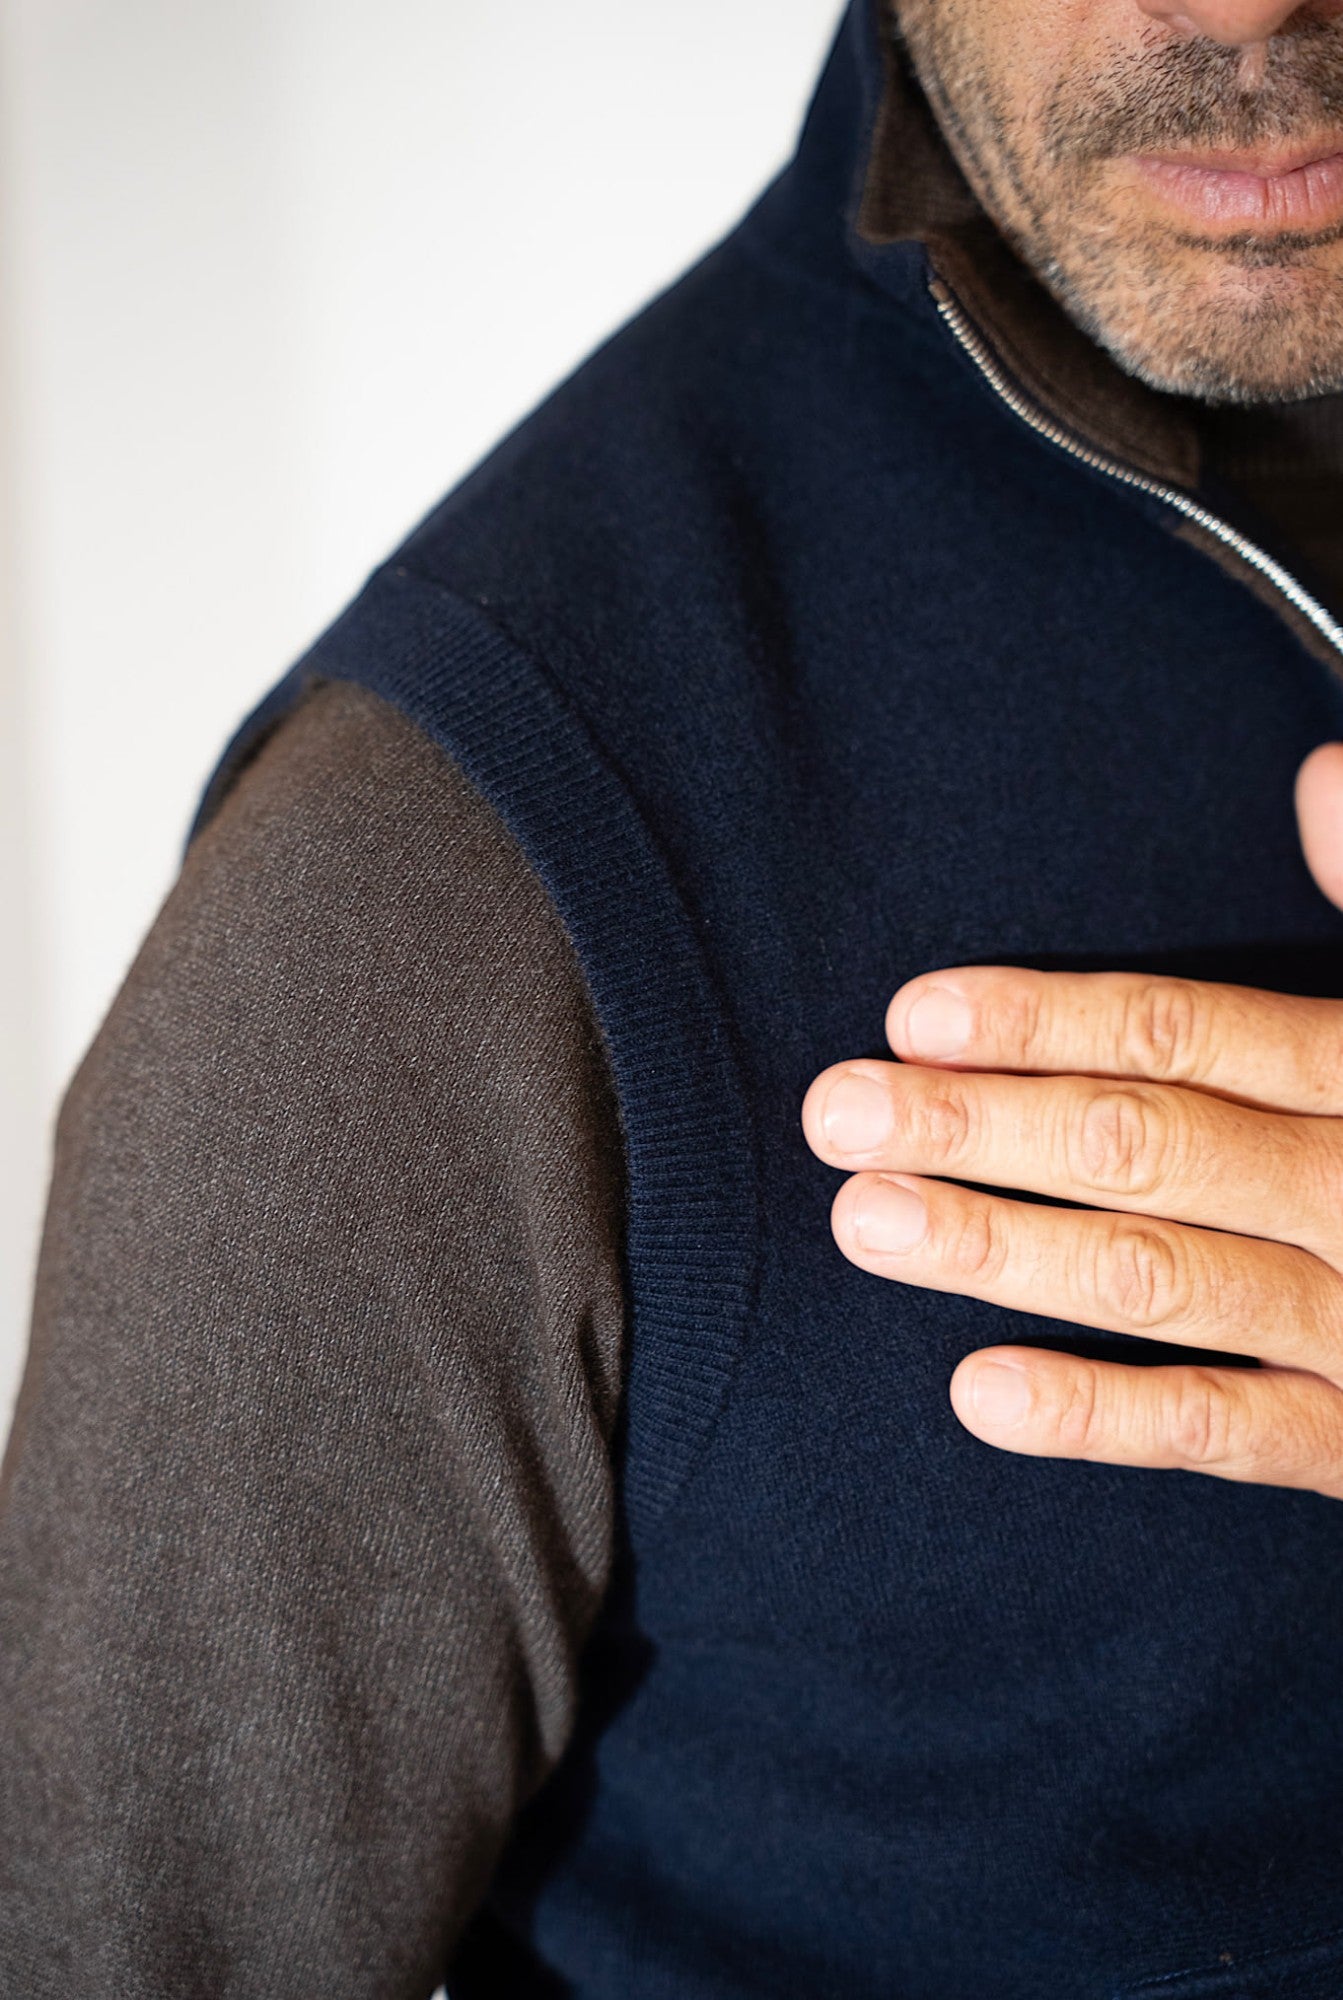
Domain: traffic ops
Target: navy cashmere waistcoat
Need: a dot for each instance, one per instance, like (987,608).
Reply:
(801,665)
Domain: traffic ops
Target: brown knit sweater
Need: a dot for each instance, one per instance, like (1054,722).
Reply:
(308,1503)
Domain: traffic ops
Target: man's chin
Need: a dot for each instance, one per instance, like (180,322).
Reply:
(1270,334)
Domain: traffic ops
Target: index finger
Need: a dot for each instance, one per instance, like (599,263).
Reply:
(1275,1051)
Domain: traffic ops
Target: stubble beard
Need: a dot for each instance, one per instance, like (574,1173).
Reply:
(1242,319)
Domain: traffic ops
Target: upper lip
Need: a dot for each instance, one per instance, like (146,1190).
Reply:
(1261,161)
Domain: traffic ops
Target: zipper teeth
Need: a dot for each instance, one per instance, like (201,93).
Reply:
(1250,552)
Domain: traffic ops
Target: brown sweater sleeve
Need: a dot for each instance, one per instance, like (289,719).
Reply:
(307,1509)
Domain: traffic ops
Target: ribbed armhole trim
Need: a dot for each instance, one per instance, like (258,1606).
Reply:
(693,1229)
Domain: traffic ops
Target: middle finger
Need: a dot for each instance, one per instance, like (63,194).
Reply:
(1153,1148)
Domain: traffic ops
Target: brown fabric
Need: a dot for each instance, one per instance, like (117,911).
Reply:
(307,1508)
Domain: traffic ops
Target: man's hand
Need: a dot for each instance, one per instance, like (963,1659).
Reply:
(1203,1125)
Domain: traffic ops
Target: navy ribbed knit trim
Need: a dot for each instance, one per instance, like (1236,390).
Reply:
(693,1224)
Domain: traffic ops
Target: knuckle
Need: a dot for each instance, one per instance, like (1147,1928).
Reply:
(1017,1022)
(1159,1032)
(1318,1062)
(1320,1160)
(977,1248)
(1307,1306)
(943,1126)
(1204,1425)
(1078,1422)
(1143,1278)
(1324,1318)
(1124,1142)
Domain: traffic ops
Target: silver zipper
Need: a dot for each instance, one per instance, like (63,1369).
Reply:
(1021,406)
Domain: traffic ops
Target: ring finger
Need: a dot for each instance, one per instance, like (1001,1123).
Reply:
(1093,1267)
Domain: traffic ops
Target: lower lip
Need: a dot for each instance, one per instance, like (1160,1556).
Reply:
(1310,197)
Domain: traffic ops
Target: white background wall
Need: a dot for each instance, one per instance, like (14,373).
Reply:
(272,275)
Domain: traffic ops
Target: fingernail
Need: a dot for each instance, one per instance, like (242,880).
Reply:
(889,1217)
(938,1024)
(857,1115)
(999,1395)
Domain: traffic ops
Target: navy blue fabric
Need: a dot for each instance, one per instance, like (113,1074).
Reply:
(800,666)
